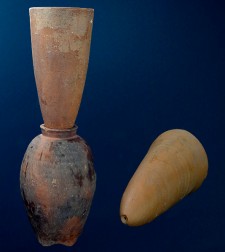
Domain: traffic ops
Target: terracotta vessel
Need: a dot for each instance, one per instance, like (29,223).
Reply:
(57,176)
(61,40)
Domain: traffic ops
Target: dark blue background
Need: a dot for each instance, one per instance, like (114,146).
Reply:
(154,66)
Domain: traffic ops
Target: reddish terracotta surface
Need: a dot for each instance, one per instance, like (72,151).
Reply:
(61,40)
(57,184)
(57,176)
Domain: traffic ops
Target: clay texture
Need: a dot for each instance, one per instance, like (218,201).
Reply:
(57,177)
(61,40)
(57,184)
(175,165)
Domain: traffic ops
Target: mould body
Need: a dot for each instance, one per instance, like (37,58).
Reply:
(61,40)
(175,165)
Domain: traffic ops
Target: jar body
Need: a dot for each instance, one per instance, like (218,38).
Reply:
(57,182)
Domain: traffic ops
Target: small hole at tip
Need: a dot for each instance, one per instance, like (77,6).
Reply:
(124,219)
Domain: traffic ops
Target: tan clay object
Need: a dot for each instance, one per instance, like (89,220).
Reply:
(175,165)
(57,177)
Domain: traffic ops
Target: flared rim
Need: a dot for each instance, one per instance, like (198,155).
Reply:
(61,8)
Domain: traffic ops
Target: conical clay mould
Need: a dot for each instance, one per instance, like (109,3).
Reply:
(61,40)
(175,165)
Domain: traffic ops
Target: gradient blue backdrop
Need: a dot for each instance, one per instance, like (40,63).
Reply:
(154,66)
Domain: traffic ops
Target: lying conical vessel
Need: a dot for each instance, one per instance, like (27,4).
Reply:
(175,165)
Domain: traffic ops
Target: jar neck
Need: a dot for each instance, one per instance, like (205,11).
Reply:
(59,133)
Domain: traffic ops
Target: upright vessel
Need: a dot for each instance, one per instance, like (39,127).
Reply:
(57,177)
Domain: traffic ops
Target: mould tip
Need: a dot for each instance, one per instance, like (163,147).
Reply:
(124,219)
